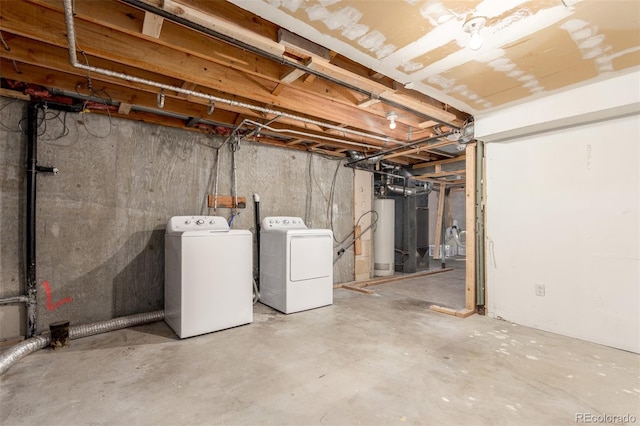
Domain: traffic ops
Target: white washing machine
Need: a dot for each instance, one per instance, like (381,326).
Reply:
(296,265)
(208,275)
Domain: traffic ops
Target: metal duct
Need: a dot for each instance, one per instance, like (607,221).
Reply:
(407,191)
(33,344)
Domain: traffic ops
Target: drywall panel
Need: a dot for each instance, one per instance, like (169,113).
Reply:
(531,47)
(563,212)
(605,99)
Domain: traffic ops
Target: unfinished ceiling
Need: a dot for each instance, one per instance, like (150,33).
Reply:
(318,75)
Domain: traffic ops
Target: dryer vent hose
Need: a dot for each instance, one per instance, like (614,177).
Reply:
(24,348)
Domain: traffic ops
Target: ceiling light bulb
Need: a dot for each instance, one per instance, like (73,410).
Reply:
(473,26)
(392,119)
(476,41)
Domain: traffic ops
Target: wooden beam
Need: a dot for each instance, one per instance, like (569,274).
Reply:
(443,310)
(187,85)
(226,201)
(152,25)
(427,124)
(433,163)
(153,57)
(367,103)
(295,73)
(14,94)
(292,76)
(300,44)
(460,313)
(212,22)
(124,108)
(358,289)
(426,148)
(439,236)
(357,243)
(470,211)
(387,280)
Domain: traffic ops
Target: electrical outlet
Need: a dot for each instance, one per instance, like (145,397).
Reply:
(539,289)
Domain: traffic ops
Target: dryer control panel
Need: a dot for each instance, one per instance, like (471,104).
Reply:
(283,222)
(197,223)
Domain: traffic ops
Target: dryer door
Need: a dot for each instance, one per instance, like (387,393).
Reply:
(311,257)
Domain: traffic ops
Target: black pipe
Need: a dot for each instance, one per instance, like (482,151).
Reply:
(256,210)
(32,169)
(32,155)
(398,148)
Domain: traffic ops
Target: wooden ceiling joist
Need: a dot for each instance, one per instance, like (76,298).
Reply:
(311,90)
(152,25)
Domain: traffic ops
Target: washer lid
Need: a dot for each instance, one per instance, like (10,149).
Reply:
(179,224)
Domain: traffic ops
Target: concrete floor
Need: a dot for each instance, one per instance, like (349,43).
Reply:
(368,359)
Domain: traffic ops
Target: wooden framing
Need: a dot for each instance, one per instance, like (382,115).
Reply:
(470,206)
(387,280)
(439,236)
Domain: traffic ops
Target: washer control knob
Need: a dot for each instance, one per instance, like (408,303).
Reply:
(200,222)
(187,222)
(211,222)
(285,222)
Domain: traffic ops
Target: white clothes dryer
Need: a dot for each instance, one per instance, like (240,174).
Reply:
(296,265)
(208,275)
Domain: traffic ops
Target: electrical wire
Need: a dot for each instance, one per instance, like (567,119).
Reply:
(6,127)
(309,186)
(330,200)
(371,226)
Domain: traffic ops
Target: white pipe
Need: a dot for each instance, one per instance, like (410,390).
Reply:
(73,59)
(14,299)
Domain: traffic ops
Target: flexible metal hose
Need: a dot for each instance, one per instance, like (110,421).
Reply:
(36,343)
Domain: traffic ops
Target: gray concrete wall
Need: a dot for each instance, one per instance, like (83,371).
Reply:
(101,221)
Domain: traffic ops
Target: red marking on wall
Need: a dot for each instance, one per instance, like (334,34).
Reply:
(50,305)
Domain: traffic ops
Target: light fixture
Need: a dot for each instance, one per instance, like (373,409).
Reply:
(392,116)
(473,27)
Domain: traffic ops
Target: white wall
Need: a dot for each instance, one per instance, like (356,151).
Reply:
(563,210)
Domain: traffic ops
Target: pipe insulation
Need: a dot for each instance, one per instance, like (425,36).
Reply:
(73,59)
(28,346)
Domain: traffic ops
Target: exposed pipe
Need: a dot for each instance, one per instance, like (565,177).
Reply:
(73,59)
(24,348)
(32,161)
(407,191)
(14,299)
(32,169)
(409,145)
(279,59)
(256,210)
